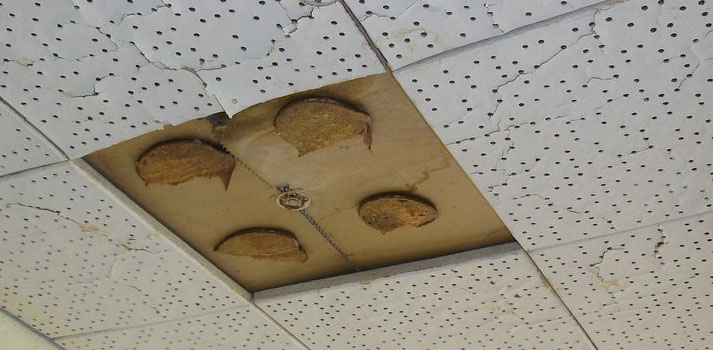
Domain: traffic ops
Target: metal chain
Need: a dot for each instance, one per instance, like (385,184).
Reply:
(305,214)
(326,236)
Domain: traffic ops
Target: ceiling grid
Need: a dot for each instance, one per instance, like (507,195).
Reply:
(22,146)
(406,31)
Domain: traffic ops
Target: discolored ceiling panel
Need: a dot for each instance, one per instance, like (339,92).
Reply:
(402,156)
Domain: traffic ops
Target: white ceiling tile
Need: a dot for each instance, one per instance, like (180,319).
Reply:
(323,48)
(492,298)
(21,146)
(597,123)
(76,258)
(91,74)
(649,288)
(240,328)
(16,335)
(406,31)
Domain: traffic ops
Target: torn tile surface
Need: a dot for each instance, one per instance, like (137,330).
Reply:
(91,74)
(406,31)
(604,127)
(75,259)
(487,298)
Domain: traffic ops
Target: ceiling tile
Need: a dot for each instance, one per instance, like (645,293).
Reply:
(21,146)
(91,74)
(490,298)
(241,328)
(406,31)
(644,289)
(75,258)
(16,335)
(587,126)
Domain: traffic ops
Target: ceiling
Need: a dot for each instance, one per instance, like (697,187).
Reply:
(585,125)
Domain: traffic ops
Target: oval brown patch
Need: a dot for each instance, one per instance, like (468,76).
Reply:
(175,162)
(319,122)
(389,211)
(264,243)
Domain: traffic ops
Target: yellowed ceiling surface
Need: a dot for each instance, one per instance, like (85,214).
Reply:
(404,156)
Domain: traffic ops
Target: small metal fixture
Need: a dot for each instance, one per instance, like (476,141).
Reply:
(292,200)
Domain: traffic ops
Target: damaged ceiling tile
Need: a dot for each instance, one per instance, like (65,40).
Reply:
(406,31)
(611,282)
(389,211)
(318,122)
(92,74)
(264,244)
(175,162)
(323,189)
(601,128)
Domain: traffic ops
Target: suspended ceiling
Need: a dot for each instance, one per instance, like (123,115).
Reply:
(585,125)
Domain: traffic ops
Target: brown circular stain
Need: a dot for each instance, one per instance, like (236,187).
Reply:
(318,122)
(263,244)
(175,162)
(389,211)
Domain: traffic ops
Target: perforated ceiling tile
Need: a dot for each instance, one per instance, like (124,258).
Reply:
(75,258)
(324,47)
(91,74)
(409,30)
(649,288)
(492,298)
(603,127)
(21,146)
(242,328)
(16,335)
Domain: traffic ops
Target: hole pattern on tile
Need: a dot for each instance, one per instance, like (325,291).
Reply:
(242,328)
(406,30)
(74,260)
(96,73)
(491,300)
(21,147)
(645,289)
(601,128)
